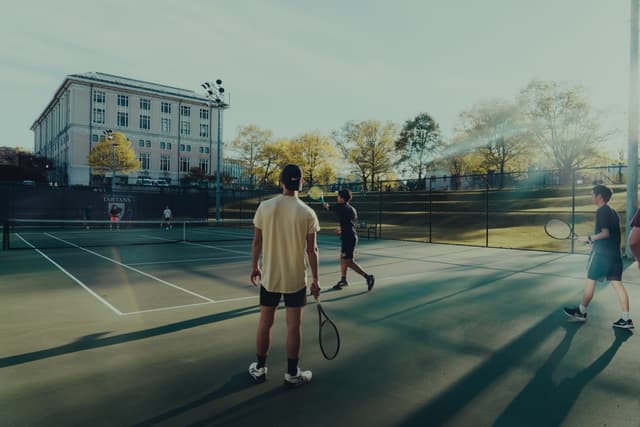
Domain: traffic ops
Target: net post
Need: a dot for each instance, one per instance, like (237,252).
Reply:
(5,235)
(184,231)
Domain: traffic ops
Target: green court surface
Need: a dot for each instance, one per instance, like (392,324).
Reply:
(162,335)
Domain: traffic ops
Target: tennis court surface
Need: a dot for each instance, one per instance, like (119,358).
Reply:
(163,334)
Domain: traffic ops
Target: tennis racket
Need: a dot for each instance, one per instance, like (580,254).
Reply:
(558,229)
(328,334)
(316,193)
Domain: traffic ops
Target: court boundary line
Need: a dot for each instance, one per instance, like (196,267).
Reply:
(132,269)
(175,307)
(72,277)
(187,260)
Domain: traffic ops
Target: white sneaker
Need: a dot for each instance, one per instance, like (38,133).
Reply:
(297,380)
(258,375)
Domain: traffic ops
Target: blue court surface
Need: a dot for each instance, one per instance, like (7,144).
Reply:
(162,335)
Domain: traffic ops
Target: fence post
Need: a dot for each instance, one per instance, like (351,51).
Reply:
(486,213)
(380,210)
(430,206)
(573,205)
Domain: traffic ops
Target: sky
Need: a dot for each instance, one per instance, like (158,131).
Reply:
(300,66)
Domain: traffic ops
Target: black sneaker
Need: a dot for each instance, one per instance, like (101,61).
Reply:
(575,313)
(258,375)
(624,324)
(370,281)
(341,284)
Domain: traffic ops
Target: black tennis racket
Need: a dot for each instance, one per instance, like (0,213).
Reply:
(328,334)
(558,229)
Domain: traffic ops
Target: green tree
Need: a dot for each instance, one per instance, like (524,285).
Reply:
(369,145)
(562,124)
(497,132)
(271,159)
(249,145)
(113,153)
(418,143)
(316,154)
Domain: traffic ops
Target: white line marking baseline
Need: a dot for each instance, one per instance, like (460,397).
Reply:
(72,277)
(132,269)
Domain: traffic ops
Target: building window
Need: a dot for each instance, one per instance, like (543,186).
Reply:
(204,166)
(184,164)
(182,147)
(145,122)
(141,143)
(204,131)
(147,143)
(185,127)
(165,108)
(165,125)
(98,115)
(123,119)
(98,97)
(168,146)
(185,111)
(204,114)
(185,147)
(145,160)
(163,145)
(145,104)
(123,101)
(165,163)
(95,138)
(204,150)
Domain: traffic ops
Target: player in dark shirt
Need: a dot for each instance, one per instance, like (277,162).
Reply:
(347,216)
(605,261)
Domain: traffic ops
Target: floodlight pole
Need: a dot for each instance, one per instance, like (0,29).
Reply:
(215,92)
(108,136)
(632,172)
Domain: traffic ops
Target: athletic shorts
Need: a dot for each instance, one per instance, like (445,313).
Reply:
(115,218)
(607,267)
(348,248)
(272,299)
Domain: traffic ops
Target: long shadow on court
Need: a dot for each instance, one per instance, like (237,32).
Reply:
(543,403)
(88,342)
(500,274)
(450,402)
(95,341)
(236,384)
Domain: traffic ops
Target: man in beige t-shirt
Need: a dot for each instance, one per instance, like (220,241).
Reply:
(285,229)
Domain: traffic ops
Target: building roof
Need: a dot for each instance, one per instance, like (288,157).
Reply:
(111,79)
(125,82)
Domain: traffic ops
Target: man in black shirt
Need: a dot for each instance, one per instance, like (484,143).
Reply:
(605,261)
(348,217)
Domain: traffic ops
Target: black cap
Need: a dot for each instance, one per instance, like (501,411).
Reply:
(291,177)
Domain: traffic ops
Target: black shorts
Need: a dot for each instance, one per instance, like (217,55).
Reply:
(603,266)
(272,299)
(348,247)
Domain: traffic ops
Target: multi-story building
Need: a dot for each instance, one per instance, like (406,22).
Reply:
(172,130)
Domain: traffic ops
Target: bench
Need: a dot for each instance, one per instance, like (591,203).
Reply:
(371,229)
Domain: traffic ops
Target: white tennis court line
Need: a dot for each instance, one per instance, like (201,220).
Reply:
(72,277)
(132,269)
(175,307)
(201,245)
(214,247)
(177,261)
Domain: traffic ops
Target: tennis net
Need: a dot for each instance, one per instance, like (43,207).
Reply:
(50,234)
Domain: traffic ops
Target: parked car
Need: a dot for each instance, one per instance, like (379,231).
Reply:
(160,183)
(144,182)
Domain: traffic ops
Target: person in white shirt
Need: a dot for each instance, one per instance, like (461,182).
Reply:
(285,229)
(166,217)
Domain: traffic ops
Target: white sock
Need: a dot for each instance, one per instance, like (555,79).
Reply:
(583,309)
(625,315)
